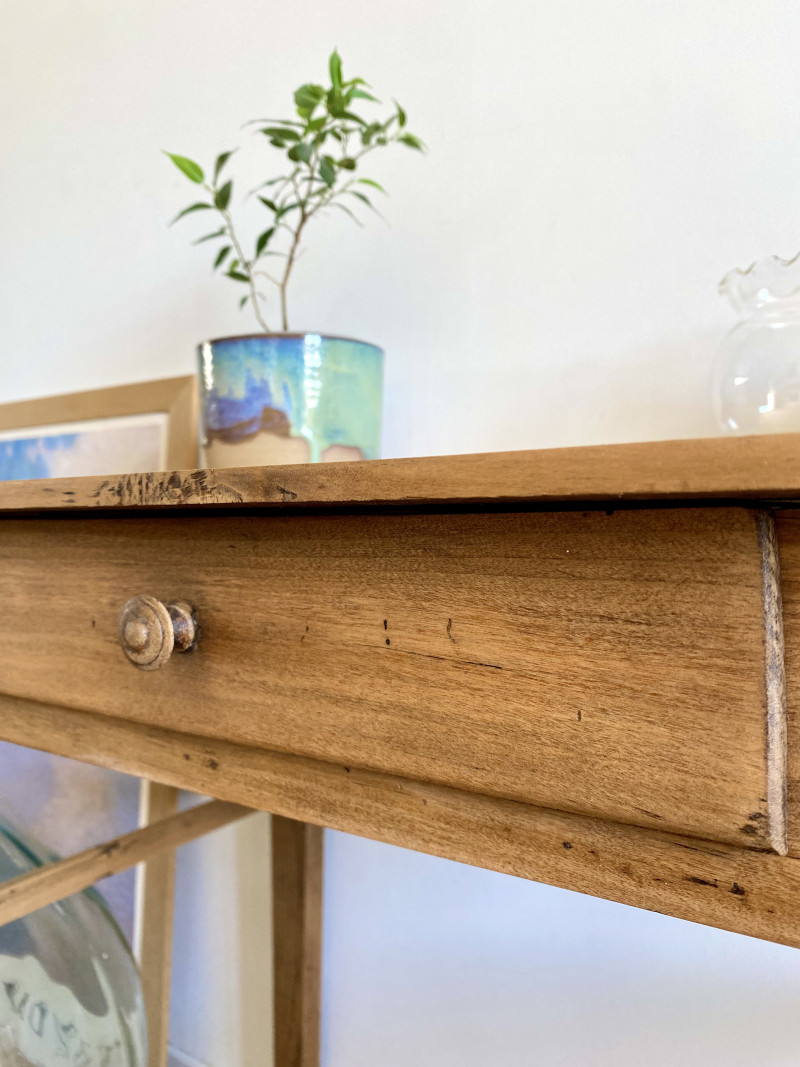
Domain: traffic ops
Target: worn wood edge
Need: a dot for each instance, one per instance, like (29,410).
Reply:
(46,885)
(775,684)
(706,468)
(153,932)
(788,529)
(297,876)
(735,889)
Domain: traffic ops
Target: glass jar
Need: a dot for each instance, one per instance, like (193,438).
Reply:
(756,381)
(70,994)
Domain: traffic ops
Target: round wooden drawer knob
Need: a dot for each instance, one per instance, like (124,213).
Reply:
(149,631)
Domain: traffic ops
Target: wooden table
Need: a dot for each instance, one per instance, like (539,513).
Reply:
(578,666)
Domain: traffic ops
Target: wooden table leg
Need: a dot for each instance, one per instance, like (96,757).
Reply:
(297,932)
(156,895)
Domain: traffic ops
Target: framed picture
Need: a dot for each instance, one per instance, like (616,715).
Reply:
(126,429)
(149,426)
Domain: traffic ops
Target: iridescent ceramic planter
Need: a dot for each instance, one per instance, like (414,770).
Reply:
(289,398)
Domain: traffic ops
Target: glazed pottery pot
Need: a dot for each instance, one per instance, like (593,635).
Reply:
(289,398)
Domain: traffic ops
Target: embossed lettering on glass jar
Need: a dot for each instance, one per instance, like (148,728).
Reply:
(69,988)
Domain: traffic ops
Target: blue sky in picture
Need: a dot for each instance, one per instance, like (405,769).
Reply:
(30,457)
(118,445)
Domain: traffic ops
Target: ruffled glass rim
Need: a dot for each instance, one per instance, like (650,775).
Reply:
(764,282)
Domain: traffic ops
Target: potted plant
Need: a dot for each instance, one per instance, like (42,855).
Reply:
(276,396)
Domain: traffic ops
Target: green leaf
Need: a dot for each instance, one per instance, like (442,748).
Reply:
(412,141)
(333,102)
(300,152)
(375,185)
(362,197)
(359,94)
(222,197)
(269,203)
(401,115)
(353,118)
(314,125)
(370,131)
(243,301)
(210,236)
(263,240)
(190,209)
(221,257)
(278,122)
(347,211)
(192,170)
(281,133)
(237,276)
(347,163)
(284,210)
(335,68)
(364,200)
(222,159)
(327,171)
(307,97)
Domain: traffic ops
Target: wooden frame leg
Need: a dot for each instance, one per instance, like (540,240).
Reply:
(155,900)
(297,856)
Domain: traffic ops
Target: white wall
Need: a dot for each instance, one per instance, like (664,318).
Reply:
(548,278)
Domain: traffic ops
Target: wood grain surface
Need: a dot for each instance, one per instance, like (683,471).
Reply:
(297,867)
(611,664)
(748,892)
(766,467)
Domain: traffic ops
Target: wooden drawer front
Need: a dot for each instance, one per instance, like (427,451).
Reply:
(613,664)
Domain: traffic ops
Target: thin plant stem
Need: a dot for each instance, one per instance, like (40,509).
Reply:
(247,268)
(290,261)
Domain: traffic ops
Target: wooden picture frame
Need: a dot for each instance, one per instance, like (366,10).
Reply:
(176,398)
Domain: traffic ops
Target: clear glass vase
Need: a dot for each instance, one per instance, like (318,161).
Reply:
(756,381)
(70,994)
